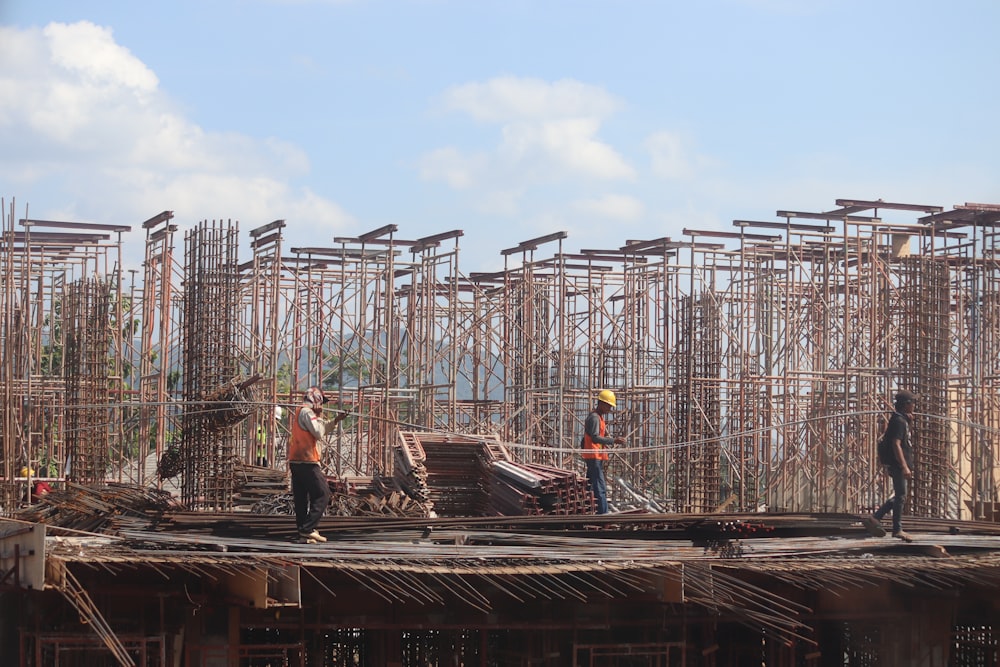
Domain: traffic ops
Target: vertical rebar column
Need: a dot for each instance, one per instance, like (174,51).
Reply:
(88,321)
(211,292)
(696,407)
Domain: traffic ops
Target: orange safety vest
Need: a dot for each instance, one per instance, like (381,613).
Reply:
(595,450)
(302,446)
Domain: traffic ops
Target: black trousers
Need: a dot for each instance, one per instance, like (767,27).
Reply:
(311,493)
(900,489)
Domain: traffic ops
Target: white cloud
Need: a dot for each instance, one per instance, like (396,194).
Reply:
(218,196)
(83,118)
(548,133)
(569,144)
(91,52)
(70,85)
(616,207)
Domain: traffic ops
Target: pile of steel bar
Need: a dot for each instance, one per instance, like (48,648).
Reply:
(92,508)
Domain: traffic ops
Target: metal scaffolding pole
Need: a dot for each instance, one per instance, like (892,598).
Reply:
(753,368)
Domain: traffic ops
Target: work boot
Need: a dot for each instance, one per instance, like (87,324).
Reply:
(303,539)
(906,537)
(314,536)
(873,526)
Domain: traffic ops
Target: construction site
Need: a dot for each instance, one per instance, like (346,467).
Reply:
(754,370)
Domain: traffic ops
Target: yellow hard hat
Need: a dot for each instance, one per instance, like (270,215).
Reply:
(27,472)
(607,396)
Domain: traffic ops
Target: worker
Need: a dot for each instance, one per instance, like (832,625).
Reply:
(594,443)
(27,473)
(261,458)
(39,489)
(896,456)
(310,489)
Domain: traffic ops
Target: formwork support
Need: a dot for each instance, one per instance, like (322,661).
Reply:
(754,368)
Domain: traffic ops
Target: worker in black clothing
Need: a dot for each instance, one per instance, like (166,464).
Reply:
(896,457)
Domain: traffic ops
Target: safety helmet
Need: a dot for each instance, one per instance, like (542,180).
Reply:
(27,472)
(315,396)
(607,396)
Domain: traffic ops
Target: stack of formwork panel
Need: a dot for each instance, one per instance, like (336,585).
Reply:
(493,450)
(409,471)
(462,476)
(255,484)
(455,474)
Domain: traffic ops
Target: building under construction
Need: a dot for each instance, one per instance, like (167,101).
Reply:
(754,370)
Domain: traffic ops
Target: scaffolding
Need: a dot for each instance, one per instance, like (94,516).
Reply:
(63,360)
(754,368)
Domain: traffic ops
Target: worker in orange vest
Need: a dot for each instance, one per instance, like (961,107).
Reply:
(310,488)
(594,443)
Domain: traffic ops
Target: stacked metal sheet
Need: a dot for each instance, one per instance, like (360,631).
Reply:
(467,476)
(523,488)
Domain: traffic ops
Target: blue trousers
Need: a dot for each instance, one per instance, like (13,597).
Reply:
(598,486)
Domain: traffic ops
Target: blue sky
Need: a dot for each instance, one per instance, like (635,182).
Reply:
(512,119)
